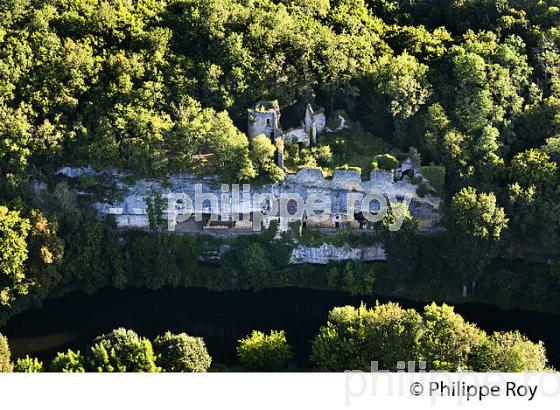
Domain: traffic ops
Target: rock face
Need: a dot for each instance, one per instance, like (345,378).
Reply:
(77,172)
(328,253)
(130,209)
(349,180)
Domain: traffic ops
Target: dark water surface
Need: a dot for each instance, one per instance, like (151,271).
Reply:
(222,318)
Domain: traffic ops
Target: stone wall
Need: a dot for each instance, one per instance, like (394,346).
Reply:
(326,253)
(131,210)
(264,118)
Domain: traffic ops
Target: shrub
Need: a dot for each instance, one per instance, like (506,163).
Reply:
(353,337)
(323,154)
(28,365)
(385,162)
(436,175)
(122,351)
(347,167)
(510,352)
(5,363)
(262,352)
(422,190)
(69,362)
(181,353)
(308,166)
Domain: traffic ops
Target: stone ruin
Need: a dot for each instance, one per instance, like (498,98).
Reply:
(264,118)
(131,211)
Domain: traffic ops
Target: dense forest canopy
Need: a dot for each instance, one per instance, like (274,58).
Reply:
(147,85)
(154,87)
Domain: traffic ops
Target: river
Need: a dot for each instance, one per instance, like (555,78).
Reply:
(222,318)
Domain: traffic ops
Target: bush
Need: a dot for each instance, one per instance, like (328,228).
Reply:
(422,190)
(5,363)
(436,175)
(384,162)
(353,337)
(181,353)
(262,352)
(28,365)
(69,362)
(347,167)
(510,352)
(307,166)
(448,340)
(357,278)
(122,351)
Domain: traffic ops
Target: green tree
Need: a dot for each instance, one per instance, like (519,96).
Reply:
(448,340)
(181,353)
(476,223)
(403,81)
(262,155)
(122,350)
(510,352)
(333,277)
(401,245)
(349,278)
(385,162)
(476,215)
(534,168)
(393,335)
(353,338)
(28,365)
(13,255)
(68,362)
(264,352)
(5,355)
(255,266)
(46,253)
(155,206)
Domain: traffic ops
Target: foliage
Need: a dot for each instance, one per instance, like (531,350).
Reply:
(354,337)
(13,250)
(155,205)
(122,350)
(447,338)
(28,365)
(264,352)
(153,88)
(436,175)
(389,335)
(160,260)
(510,352)
(403,80)
(385,162)
(255,266)
(476,214)
(181,353)
(357,278)
(262,155)
(401,246)
(347,167)
(313,157)
(5,355)
(68,362)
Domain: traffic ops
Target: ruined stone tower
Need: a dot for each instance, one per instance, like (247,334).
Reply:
(264,118)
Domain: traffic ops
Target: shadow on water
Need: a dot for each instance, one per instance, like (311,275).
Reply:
(222,318)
